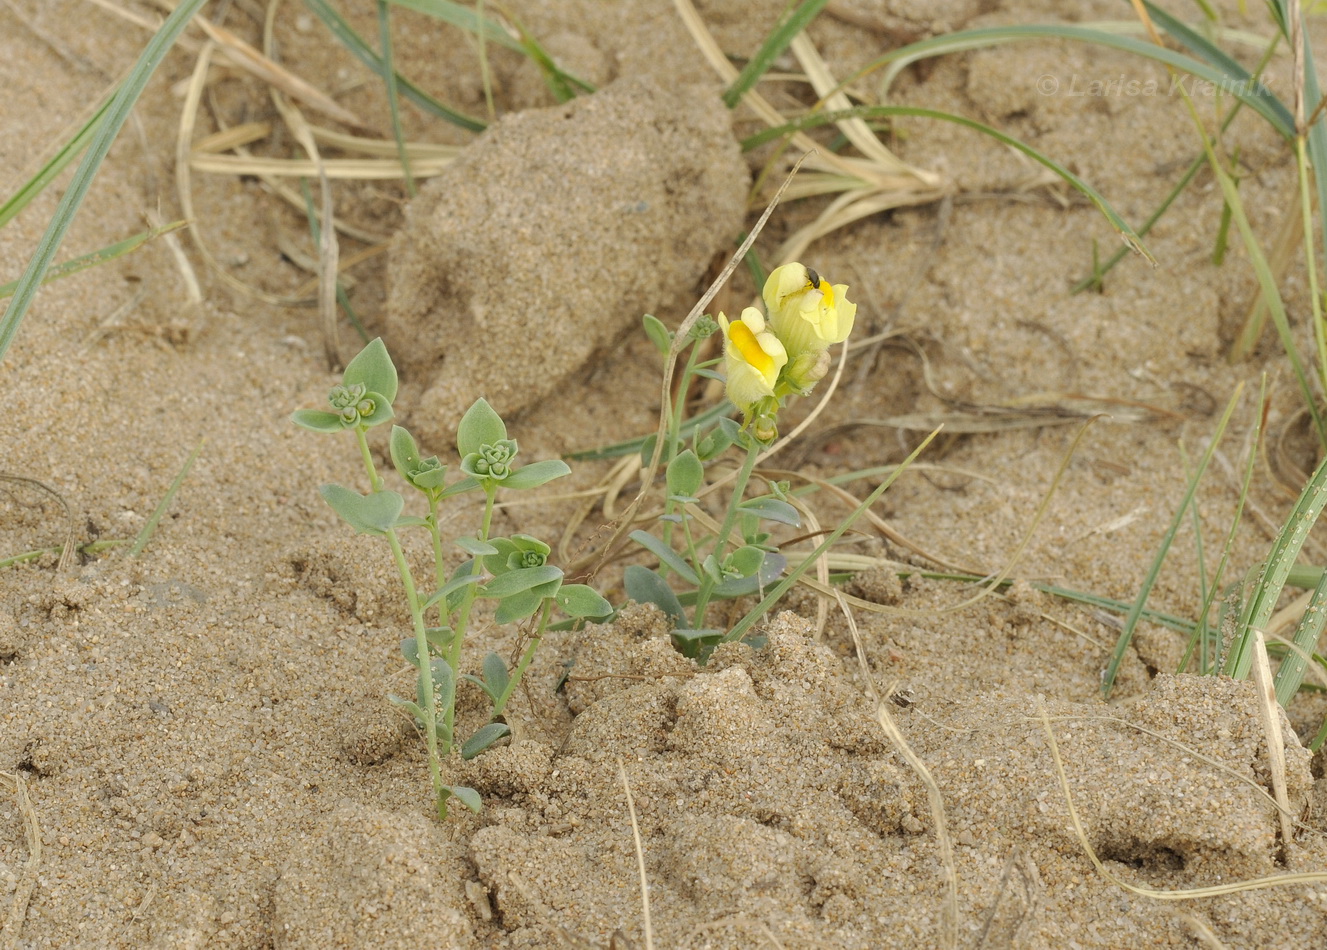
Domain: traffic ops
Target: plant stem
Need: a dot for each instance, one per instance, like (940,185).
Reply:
(375,482)
(707,581)
(467,602)
(429,710)
(500,703)
(439,573)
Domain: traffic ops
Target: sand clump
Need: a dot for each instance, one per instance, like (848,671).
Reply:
(505,281)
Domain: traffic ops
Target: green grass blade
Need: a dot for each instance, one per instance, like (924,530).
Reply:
(1290,675)
(145,535)
(393,99)
(1275,571)
(108,253)
(790,24)
(1200,635)
(1136,612)
(361,50)
(559,81)
(117,112)
(1253,94)
(58,163)
(869,112)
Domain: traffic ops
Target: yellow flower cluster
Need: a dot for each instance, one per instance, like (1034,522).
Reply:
(767,359)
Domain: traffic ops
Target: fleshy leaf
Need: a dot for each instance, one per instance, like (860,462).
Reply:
(367,514)
(658,333)
(464,485)
(405,704)
(475,546)
(666,554)
(714,443)
(519,606)
(467,797)
(451,587)
(771,509)
(536,474)
(480,426)
(374,368)
(644,586)
(410,650)
(580,600)
(317,420)
(484,737)
(514,582)
(382,409)
(746,560)
(685,473)
(697,644)
(495,675)
(404,451)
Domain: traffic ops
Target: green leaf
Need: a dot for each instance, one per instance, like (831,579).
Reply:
(484,737)
(440,638)
(367,514)
(444,683)
(405,704)
(644,586)
(471,678)
(659,334)
(697,644)
(480,426)
(580,600)
(96,258)
(460,488)
(382,410)
(449,588)
(714,443)
(771,569)
(685,473)
(317,421)
(404,452)
(475,546)
(374,368)
(467,797)
(410,650)
(771,509)
(536,474)
(521,605)
(495,674)
(522,579)
(746,560)
(666,554)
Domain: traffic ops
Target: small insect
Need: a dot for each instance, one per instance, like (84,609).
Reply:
(813,277)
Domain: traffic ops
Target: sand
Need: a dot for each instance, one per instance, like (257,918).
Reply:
(202,731)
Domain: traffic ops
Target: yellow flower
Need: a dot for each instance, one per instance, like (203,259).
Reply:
(753,357)
(805,311)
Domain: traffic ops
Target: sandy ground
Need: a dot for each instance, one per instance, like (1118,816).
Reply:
(202,733)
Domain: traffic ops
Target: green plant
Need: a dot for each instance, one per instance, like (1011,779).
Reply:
(514,571)
(766,360)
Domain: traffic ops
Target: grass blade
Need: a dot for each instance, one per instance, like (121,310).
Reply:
(354,43)
(117,112)
(1238,83)
(1136,612)
(876,112)
(145,535)
(58,162)
(393,100)
(448,12)
(792,23)
(1275,571)
(108,253)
